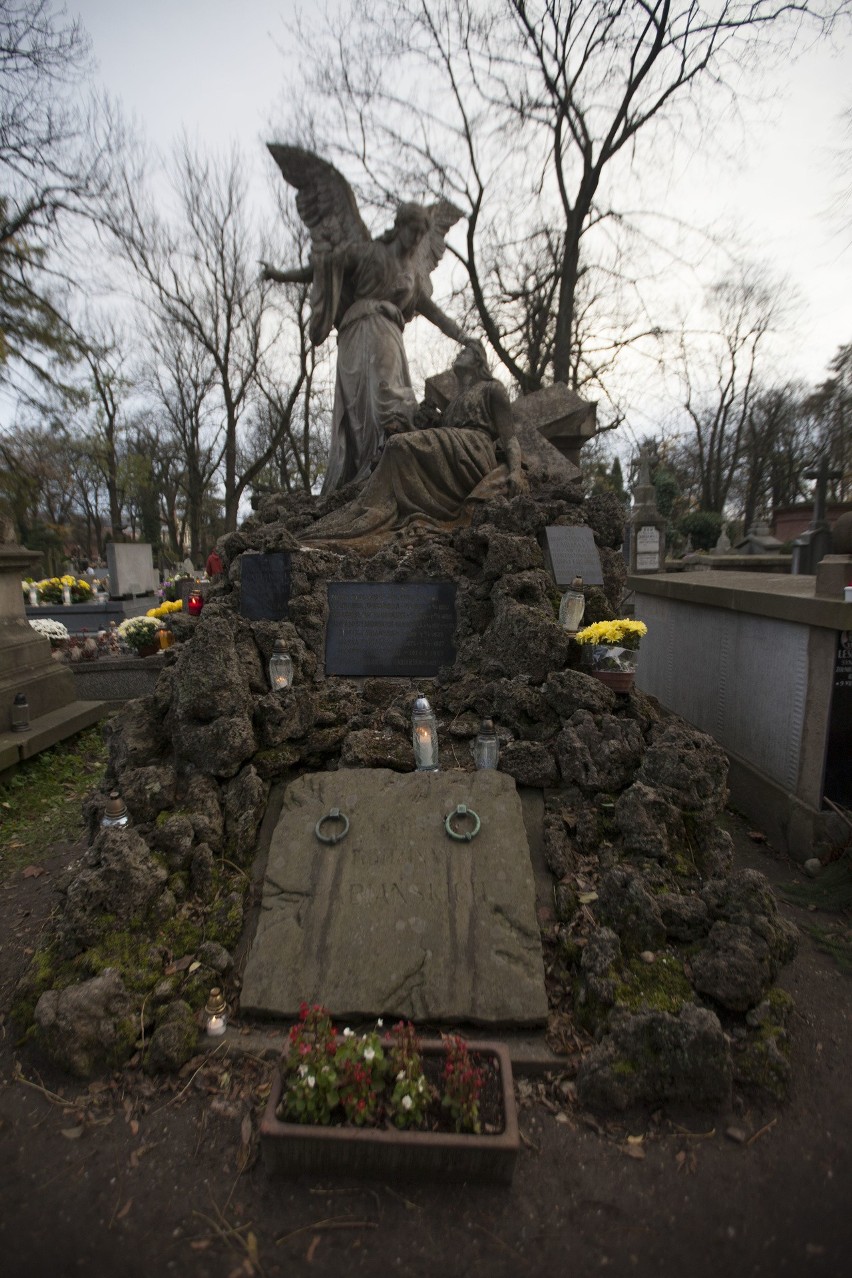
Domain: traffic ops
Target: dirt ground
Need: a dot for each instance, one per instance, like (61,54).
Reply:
(131,1176)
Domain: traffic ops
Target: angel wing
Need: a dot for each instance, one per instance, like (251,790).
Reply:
(325,200)
(432,247)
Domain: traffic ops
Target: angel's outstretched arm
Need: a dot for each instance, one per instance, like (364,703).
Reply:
(298,275)
(448,327)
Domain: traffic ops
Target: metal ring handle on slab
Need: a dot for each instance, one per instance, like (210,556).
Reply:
(334,814)
(461,811)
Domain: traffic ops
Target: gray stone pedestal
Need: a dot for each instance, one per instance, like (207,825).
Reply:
(27,666)
(398,919)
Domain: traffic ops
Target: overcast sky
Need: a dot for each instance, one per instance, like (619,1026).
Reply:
(216,69)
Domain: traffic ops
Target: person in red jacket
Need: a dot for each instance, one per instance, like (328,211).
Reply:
(214,565)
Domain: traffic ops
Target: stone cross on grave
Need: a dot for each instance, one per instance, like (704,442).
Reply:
(823,476)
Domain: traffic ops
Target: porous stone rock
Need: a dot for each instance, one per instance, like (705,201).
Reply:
(220,747)
(173,837)
(734,966)
(201,870)
(685,916)
(599,753)
(210,683)
(570,690)
(216,957)
(375,748)
(648,821)
(529,762)
(625,905)
(245,803)
(174,1040)
(135,737)
(148,791)
(89,1026)
(200,799)
(119,880)
(655,1057)
(746,897)
(595,993)
(560,851)
(687,767)
(283,716)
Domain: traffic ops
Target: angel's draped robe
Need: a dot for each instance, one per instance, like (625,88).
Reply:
(426,476)
(377,294)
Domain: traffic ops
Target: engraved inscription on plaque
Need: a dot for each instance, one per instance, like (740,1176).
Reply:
(838,755)
(390,629)
(570,553)
(648,549)
(265,586)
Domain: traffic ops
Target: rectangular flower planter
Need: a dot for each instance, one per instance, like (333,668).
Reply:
(387,1153)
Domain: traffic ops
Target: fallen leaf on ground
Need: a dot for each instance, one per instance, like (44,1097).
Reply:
(33,872)
(737,1135)
(200,1244)
(635,1140)
(633,1151)
(757,836)
(72,1133)
(125,1209)
(586,898)
(134,1127)
(311,1252)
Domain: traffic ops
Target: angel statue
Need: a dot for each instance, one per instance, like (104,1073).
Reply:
(369,289)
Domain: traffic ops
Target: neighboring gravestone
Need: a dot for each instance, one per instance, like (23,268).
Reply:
(648,548)
(265,586)
(571,552)
(838,756)
(131,569)
(390,629)
(398,919)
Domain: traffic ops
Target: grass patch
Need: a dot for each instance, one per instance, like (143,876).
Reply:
(830,890)
(40,803)
(835,940)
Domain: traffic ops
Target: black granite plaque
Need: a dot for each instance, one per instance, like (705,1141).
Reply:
(265,586)
(570,553)
(838,755)
(390,629)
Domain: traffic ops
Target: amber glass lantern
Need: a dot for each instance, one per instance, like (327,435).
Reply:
(216,1014)
(115,813)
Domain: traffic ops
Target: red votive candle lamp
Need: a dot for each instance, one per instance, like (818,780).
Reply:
(194,603)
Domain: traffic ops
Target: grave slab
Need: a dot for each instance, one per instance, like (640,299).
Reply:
(571,552)
(398,919)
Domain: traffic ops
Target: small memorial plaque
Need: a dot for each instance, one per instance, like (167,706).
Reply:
(265,586)
(390,629)
(570,553)
(838,756)
(648,549)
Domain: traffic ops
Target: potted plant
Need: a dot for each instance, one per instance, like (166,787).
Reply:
(50,629)
(613,648)
(140,634)
(386,1105)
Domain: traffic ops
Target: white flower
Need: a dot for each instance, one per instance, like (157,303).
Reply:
(407,1102)
(380,1022)
(303,1069)
(49,628)
(348,1033)
(368,1053)
(421,1086)
(311,1081)
(400,1076)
